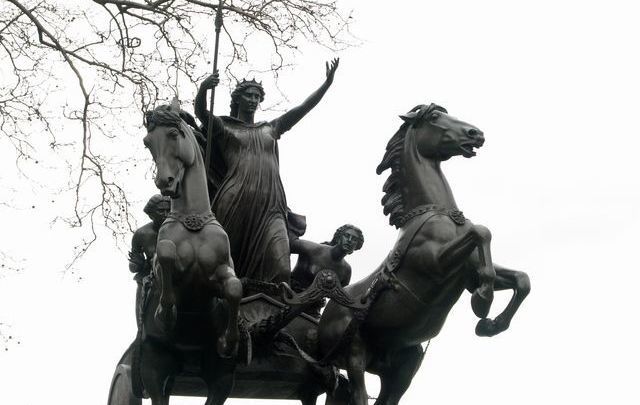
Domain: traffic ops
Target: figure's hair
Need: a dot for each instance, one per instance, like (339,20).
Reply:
(342,230)
(153,203)
(241,87)
(392,201)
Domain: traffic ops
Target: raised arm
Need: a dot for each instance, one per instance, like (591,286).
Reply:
(291,117)
(200,104)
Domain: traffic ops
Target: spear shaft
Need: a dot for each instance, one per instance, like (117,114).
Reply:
(218,26)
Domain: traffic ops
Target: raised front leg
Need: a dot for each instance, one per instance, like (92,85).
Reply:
(457,251)
(506,279)
(232,292)
(166,312)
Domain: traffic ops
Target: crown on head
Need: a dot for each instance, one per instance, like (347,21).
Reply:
(247,83)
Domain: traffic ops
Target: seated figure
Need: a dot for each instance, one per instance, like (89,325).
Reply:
(314,257)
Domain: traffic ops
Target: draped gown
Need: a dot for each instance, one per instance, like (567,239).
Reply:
(249,199)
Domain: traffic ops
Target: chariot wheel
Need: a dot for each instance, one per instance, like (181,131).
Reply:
(121,391)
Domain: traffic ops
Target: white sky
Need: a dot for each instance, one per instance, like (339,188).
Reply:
(554,86)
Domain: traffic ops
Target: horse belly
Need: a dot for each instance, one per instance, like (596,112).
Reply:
(398,317)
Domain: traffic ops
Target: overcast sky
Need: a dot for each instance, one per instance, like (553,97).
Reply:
(555,87)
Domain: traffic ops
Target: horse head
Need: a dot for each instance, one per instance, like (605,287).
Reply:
(427,136)
(172,145)
(440,136)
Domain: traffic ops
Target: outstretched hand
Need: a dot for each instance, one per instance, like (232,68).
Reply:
(331,69)
(211,81)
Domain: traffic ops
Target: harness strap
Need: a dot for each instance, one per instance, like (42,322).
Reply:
(193,222)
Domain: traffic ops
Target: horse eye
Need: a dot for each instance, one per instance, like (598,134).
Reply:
(434,117)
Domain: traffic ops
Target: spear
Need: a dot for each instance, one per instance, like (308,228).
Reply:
(218,25)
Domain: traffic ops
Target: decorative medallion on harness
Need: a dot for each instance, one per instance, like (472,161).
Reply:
(325,284)
(457,217)
(193,222)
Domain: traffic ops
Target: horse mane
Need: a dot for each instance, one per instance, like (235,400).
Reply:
(393,201)
(165,115)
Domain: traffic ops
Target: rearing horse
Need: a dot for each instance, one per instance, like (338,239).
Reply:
(438,254)
(193,262)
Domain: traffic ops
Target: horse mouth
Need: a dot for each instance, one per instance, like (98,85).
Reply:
(172,191)
(467,148)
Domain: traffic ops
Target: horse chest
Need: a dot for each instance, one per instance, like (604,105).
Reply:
(186,256)
(194,258)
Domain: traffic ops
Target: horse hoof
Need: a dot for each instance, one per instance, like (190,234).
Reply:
(166,317)
(490,327)
(481,302)
(227,348)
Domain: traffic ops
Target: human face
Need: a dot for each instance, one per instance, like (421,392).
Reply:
(249,100)
(348,240)
(161,212)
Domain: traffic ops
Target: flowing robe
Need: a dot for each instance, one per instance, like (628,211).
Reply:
(249,199)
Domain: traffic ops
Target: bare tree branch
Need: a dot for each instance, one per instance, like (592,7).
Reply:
(125,56)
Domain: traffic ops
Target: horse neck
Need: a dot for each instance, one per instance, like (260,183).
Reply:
(424,181)
(194,196)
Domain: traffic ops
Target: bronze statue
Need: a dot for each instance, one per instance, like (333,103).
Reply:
(192,266)
(143,242)
(248,196)
(189,344)
(314,257)
(438,254)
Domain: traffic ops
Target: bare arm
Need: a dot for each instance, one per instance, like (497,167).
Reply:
(291,117)
(136,255)
(345,278)
(301,246)
(200,104)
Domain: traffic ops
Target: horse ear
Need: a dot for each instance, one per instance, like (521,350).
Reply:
(412,114)
(175,104)
(409,117)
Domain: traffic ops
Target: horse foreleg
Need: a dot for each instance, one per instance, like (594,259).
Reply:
(219,376)
(309,399)
(506,279)
(160,400)
(457,251)
(232,293)
(166,312)
(395,379)
(356,366)
(158,369)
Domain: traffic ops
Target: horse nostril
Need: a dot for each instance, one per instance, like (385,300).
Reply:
(472,132)
(170,181)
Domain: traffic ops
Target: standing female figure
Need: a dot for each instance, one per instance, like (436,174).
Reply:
(244,177)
